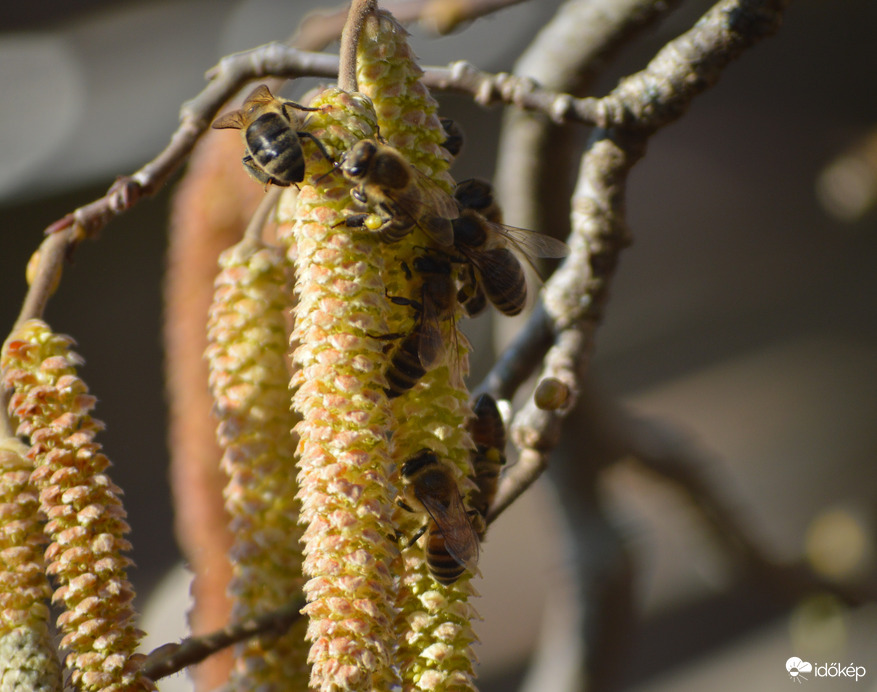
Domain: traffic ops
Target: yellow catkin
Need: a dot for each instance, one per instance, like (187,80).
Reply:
(343,453)
(433,624)
(86,521)
(247,336)
(28,660)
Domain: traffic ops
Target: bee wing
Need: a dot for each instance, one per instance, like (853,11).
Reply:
(531,243)
(435,209)
(229,121)
(261,94)
(438,228)
(491,263)
(527,244)
(434,196)
(452,520)
(431,345)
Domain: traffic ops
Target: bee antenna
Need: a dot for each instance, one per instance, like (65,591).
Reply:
(334,169)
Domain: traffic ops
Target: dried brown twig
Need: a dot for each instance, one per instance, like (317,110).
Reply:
(172,658)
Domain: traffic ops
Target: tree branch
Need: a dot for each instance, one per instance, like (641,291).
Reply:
(576,295)
(536,159)
(560,59)
(520,358)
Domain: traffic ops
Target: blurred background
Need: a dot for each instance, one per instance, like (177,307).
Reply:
(745,312)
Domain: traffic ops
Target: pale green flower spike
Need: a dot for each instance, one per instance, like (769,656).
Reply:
(434,621)
(343,453)
(247,335)
(28,660)
(86,521)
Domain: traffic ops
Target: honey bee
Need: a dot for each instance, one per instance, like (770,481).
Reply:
(454,141)
(492,250)
(398,194)
(488,458)
(270,129)
(451,541)
(421,348)
(477,195)
(405,369)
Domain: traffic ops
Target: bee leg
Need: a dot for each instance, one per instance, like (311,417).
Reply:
(260,175)
(299,107)
(402,300)
(392,336)
(354,220)
(316,141)
(416,536)
(396,536)
(359,195)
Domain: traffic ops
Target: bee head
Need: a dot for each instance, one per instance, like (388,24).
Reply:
(469,230)
(423,459)
(485,407)
(474,193)
(454,142)
(357,161)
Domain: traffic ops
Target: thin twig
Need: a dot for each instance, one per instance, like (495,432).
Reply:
(520,358)
(172,658)
(195,117)
(359,10)
(279,60)
(52,252)
(254,229)
(536,159)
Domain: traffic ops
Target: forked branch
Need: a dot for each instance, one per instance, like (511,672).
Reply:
(576,295)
